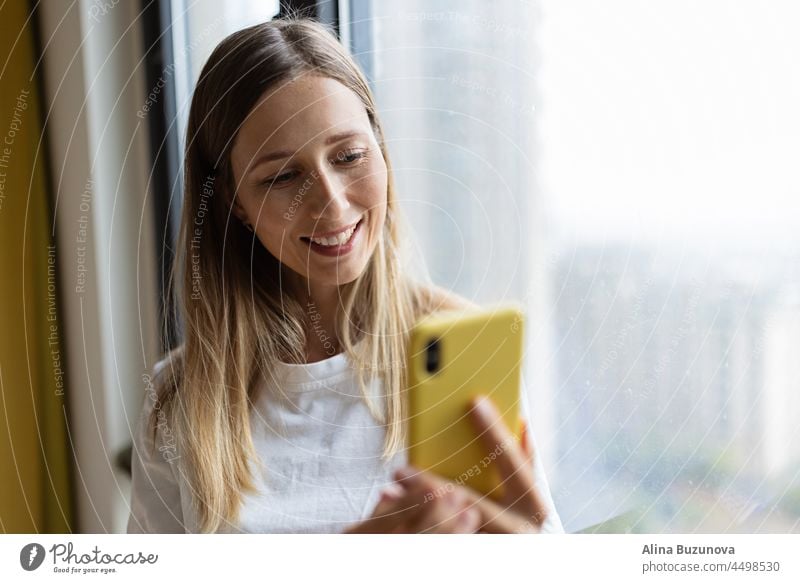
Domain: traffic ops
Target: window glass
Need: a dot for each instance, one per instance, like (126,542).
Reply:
(629,171)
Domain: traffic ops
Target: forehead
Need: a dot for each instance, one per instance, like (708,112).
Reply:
(298,112)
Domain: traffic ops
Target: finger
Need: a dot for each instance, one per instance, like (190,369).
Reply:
(537,502)
(451,517)
(421,486)
(525,440)
(448,511)
(385,501)
(525,511)
(495,519)
(515,462)
(391,521)
(499,519)
(445,506)
(408,475)
(438,501)
(389,516)
(469,521)
(393,491)
(450,508)
(420,483)
(497,439)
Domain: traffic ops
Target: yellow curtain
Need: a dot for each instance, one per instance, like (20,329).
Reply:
(35,482)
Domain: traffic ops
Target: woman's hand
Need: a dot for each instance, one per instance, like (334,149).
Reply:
(423,504)
(421,501)
(521,508)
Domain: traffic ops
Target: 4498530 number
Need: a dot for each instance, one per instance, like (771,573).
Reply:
(756,566)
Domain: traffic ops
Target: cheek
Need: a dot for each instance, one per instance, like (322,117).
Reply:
(273,214)
(375,201)
(372,191)
(272,224)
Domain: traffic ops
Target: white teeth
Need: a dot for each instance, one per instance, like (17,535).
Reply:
(339,239)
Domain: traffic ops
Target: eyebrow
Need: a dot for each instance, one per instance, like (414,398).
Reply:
(281,154)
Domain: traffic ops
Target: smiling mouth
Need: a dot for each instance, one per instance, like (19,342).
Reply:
(335,240)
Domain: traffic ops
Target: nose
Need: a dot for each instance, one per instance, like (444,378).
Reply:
(328,196)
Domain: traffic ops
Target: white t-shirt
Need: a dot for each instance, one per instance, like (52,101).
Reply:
(321,450)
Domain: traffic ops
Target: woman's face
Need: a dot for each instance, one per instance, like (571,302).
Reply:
(308,170)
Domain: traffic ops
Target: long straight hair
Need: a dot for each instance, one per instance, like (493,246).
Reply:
(237,321)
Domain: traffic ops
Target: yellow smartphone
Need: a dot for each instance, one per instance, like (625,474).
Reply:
(453,356)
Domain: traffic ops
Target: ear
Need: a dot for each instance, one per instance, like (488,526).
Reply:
(238,210)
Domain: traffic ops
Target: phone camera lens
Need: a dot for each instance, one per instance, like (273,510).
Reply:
(432,355)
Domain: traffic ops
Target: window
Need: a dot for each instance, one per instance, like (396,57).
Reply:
(629,170)
(197,27)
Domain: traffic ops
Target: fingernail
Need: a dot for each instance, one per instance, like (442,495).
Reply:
(394,488)
(391,492)
(483,407)
(405,474)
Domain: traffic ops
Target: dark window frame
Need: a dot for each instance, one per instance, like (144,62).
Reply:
(165,182)
(326,11)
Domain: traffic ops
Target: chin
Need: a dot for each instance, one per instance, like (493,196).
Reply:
(340,277)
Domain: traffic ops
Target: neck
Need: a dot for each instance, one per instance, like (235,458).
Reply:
(321,306)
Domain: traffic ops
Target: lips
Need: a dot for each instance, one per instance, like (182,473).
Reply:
(337,249)
(331,236)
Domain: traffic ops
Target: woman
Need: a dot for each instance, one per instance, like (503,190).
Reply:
(282,411)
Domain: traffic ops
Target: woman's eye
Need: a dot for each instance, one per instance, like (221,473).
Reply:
(278,180)
(350,156)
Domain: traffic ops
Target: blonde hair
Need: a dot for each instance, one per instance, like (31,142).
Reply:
(236,320)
